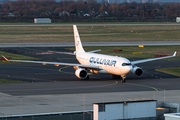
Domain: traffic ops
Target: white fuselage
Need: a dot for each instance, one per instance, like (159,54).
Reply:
(110,64)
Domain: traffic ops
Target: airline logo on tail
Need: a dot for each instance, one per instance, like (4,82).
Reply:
(77,44)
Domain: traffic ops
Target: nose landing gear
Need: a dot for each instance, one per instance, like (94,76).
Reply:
(119,77)
(123,78)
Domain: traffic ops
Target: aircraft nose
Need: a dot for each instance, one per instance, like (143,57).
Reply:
(126,67)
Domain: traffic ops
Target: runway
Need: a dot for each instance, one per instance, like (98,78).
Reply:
(71,44)
(52,89)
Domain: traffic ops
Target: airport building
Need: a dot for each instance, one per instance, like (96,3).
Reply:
(139,109)
(177,19)
(42,20)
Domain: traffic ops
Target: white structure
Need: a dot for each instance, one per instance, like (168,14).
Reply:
(177,19)
(172,116)
(125,110)
(42,20)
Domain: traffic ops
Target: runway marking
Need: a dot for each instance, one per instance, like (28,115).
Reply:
(156,90)
(60,70)
(114,83)
(144,86)
(117,82)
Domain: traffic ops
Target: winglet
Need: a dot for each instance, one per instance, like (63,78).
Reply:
(174,54)
(5,58)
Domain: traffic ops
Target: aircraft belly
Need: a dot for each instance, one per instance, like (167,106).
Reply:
(116,70)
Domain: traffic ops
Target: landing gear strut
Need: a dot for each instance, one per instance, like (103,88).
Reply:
(118,77)
(123,78)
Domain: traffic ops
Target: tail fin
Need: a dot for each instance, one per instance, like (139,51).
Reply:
(77,40)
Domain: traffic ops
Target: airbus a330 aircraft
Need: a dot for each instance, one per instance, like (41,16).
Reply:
(99,63)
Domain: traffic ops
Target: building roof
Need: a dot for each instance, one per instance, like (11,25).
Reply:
(130,101)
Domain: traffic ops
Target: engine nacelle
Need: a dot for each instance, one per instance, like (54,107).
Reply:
(137,71)
(81,73)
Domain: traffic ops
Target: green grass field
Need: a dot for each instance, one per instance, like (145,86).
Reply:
(36,34)
(173,71)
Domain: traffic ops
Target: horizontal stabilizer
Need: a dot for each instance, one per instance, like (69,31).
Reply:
(94,51)
(68,53)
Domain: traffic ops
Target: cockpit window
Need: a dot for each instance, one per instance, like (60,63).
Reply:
(125,64)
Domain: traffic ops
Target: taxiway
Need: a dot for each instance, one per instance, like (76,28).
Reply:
(52,89)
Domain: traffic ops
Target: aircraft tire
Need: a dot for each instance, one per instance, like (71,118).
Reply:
(123,81)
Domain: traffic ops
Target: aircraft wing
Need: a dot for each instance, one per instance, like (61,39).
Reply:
(69,53)
(57,63)
(152,59)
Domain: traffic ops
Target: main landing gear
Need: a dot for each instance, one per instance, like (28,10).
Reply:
(123,77)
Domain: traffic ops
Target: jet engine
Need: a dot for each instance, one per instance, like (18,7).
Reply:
(137,71)
(81,73)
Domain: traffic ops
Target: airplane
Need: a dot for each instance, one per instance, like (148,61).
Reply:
(98,63)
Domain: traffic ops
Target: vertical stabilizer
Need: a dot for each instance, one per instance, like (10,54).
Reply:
(77,40)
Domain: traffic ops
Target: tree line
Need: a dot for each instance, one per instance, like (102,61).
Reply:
(87,11)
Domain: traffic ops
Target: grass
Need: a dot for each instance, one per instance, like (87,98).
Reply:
(38,34)
(127,51)
(12,81)
(173,71)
